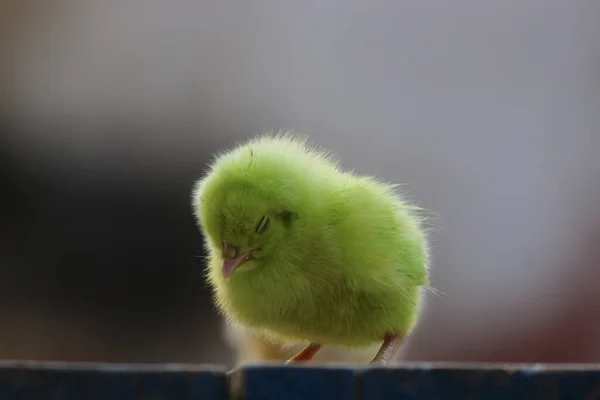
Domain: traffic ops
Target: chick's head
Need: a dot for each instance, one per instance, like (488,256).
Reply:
(251,229)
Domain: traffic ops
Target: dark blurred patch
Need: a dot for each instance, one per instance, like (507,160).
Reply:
(118,248)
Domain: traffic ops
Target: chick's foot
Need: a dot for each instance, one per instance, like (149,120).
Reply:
(305,354)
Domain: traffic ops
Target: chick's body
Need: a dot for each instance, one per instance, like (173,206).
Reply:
(343,263)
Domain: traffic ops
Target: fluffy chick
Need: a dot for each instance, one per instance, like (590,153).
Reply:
(300,250)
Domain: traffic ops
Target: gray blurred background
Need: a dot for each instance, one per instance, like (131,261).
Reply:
(488,110)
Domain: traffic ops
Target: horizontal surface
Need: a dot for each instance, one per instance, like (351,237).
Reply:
(489,382)
(66,381)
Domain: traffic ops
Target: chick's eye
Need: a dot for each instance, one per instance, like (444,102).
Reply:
(262,225)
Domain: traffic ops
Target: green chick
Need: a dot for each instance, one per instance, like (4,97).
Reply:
(300,250)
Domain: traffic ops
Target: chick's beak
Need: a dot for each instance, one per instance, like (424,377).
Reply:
(230,264)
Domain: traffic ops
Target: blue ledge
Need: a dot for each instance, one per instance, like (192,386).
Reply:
(487,382)
(67,381)
(297,383)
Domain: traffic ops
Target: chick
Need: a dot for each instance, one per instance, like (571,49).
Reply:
(301,251)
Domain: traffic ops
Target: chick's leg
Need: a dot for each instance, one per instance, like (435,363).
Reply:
(391,345)
(305,354)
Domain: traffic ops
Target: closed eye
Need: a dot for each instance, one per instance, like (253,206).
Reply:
(262,225)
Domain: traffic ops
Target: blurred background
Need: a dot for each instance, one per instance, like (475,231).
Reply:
(109,110)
